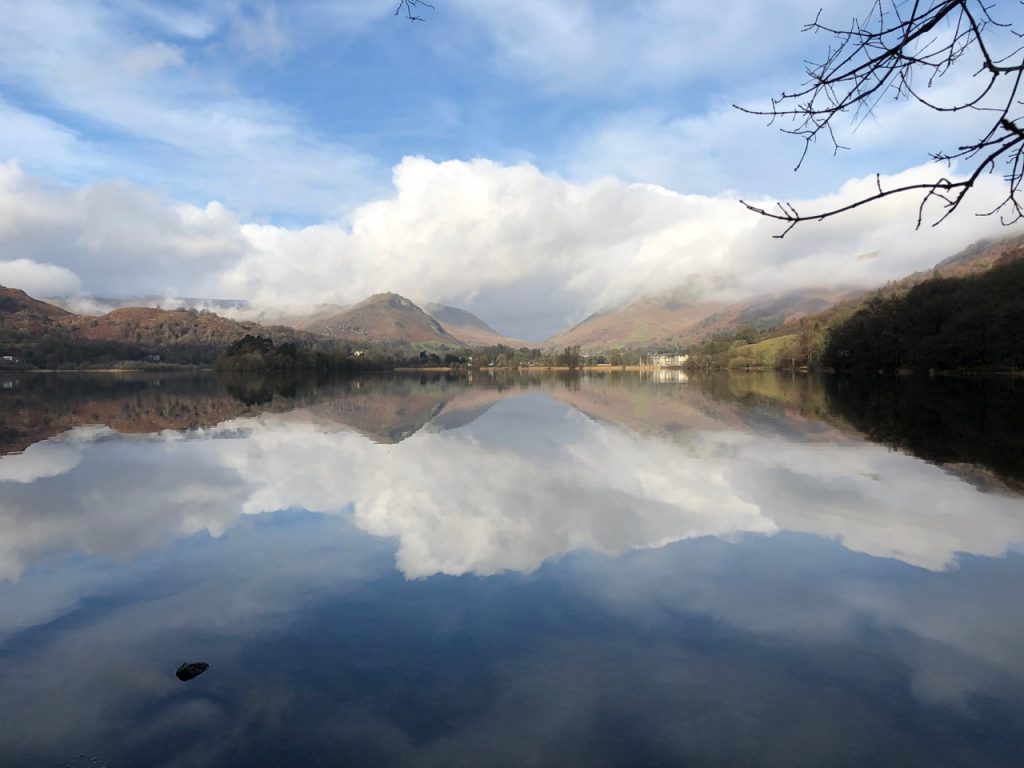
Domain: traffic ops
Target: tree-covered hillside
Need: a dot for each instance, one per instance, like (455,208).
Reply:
(967,323)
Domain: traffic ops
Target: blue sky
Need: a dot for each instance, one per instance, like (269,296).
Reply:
(210,147)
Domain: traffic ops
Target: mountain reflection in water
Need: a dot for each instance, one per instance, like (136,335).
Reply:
(698,571)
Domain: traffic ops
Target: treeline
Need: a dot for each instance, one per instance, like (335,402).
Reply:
(259,354)
(797,345)
(945,324)
(503,356)
(58,348)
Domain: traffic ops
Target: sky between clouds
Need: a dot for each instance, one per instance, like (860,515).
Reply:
(530,160)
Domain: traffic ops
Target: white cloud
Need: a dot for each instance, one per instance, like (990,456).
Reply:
(508,241)
(38,279)
(116,237)
(457,230)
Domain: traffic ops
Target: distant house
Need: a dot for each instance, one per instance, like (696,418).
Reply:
(668,360)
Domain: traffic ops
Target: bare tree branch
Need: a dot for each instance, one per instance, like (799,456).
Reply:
(899,50)
(411,7)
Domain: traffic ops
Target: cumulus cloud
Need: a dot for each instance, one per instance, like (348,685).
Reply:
(515,244)
(38,279)
(116,237)
(459,231)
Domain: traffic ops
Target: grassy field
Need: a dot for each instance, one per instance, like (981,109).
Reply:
(765,352)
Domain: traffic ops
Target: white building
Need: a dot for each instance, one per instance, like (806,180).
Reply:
(668,360)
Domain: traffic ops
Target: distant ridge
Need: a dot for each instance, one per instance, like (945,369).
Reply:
(469,328)
(640,323)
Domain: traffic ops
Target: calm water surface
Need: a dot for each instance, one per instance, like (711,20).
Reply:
(607,571)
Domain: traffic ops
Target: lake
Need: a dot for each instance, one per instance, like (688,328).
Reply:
(606,570)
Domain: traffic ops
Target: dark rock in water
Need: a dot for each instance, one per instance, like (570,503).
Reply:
(191,669)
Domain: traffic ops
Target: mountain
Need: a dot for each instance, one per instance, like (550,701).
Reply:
(384,317)
(677,320)
(47,335)
(469,328)
(43,335)
(27,323)
(638,324)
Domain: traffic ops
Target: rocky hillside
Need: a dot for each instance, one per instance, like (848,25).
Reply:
(21,314)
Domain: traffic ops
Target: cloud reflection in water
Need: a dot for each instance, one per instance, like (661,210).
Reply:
(530,479)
